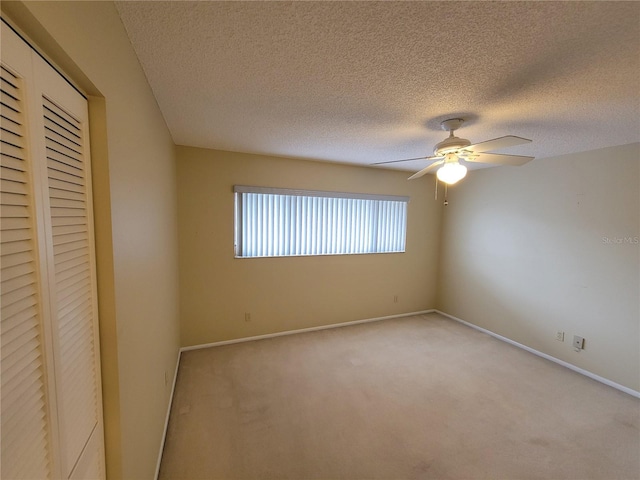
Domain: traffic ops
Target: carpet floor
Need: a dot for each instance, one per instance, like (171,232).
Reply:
(419,397)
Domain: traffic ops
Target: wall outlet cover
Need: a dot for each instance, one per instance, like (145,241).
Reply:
(578,342)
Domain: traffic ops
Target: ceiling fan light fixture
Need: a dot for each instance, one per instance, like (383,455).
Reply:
(452,171)
(447,154)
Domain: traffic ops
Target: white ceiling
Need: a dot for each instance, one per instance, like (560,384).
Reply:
(364,82)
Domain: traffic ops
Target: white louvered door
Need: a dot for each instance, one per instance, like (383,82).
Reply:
(26,420)
(67,203)
(51,395)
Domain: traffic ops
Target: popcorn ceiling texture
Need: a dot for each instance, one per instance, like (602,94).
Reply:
(363,82)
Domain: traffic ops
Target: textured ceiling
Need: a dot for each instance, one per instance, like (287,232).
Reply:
(363,82)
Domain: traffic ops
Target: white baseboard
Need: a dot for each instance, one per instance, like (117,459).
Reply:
(301,330)
(568,365)
(166,420)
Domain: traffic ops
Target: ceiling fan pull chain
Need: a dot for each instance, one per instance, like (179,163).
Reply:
(446,202)
(436,186)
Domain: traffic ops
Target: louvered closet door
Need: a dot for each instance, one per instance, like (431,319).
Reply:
(51,395)
(67,205)
(26,426)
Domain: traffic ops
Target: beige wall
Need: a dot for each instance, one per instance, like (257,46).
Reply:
(525,255)
(290,293)
(136,226)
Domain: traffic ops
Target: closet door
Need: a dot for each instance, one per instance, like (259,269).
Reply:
(26,398)
(52,347)
(67,205)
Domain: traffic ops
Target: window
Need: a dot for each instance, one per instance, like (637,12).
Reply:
(273,222)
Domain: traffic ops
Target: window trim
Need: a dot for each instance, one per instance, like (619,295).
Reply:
(318,193)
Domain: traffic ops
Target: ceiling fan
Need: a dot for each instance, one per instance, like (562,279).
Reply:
(448,153)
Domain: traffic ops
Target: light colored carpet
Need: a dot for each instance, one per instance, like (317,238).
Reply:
(414,398)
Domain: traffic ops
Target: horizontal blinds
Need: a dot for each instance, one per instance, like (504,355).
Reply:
(25,426)
(270,225)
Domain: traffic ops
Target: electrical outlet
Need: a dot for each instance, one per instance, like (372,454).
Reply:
(247,317)
(578,343)
(560,336)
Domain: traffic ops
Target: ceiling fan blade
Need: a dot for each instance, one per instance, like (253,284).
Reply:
(497,143)
(405,160)
(499,159)
(425,170)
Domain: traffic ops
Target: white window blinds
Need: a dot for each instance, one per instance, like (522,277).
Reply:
(274,222)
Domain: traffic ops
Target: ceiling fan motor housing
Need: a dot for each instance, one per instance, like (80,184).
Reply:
(450,145)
